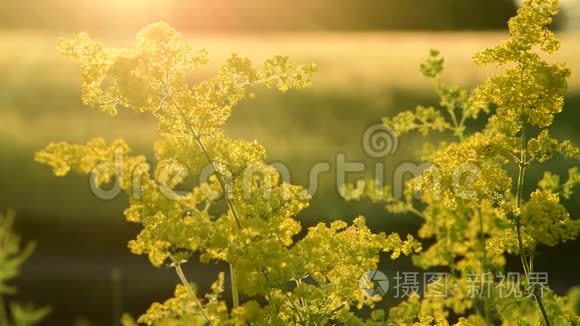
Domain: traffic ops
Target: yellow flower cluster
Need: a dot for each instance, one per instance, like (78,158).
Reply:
(242,214)
(474,209)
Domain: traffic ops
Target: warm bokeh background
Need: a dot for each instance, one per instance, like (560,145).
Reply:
(367,51)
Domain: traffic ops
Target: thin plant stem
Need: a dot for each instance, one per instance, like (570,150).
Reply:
(197,138)
(185,283)
(542,308)
(294,307)
(520,189)
(231,206)
(229,203)
(235,294)
(220,178)
(485,264)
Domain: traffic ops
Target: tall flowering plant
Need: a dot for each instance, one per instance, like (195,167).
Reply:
(242,214)
(477,213)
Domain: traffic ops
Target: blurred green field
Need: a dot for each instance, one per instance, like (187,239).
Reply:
(362,77)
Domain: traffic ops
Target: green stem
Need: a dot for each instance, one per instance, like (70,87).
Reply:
(519,195)
(235,294)
(457,126)
(229,203)
(485,264)
(231,206)
(542,308)
(520,189)
(191,292)
(220,178)
(295,308)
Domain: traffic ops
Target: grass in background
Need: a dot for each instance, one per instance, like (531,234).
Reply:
(361,78)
